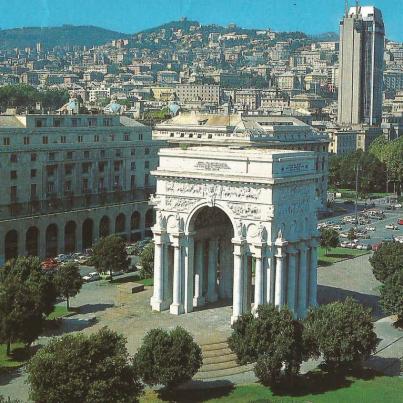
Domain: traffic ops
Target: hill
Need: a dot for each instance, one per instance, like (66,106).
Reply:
(66,35)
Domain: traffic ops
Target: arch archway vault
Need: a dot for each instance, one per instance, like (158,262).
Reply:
(232,224)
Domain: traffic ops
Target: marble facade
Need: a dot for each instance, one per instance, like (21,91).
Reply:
(235,224)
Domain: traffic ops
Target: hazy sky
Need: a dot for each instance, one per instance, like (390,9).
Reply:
(310,16)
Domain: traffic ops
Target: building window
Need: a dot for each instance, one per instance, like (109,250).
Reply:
(118,153)
(45,140)
(33,157)
(116,166)
(50,186)
(126,137)
(63,139)
(69,155)
(107,122)
(146,164)
(102,153)
(33,190)
(26,140)
(33,173)
(67,186)
(13,193)
(85,185)
(146,179)
(51,156)
(146,151)
(80,139)
(85,168)
(101,166)
(112,137)
(75,122)
(40,122)
(50,170)
(92,122)
(140,136)
(96,138)
(57,122)
(68,169)
(13,157)
(117,182)
(86,154)
(133,182)
(6,141)
(13,174)
(133,151)
(133,165)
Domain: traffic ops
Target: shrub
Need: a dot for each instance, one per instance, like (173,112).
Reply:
(387,260)
(391,298)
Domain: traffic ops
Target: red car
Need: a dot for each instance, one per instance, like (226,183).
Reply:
(400,221)
(49,264)
(376,246)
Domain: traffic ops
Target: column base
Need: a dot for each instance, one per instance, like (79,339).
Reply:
(159,305)
(176,309)
(234,318)
(199,301)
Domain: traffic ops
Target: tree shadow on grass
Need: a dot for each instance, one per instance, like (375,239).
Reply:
(93,308)
(322,381)
(197,391)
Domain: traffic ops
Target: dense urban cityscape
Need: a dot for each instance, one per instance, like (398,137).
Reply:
(201,212)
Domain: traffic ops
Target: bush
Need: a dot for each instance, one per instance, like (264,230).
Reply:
(342,332)
(391,298)
(79,368)
(271,339)
(168,358)
(147,261)
(387,260)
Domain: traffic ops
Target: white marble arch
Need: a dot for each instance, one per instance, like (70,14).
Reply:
(255,215)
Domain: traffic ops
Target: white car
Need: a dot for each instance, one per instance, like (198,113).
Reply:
(391,226)
(370,228)
(398,205)
(93,276)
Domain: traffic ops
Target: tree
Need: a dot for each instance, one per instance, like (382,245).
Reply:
(351,235)
(27,296)
(272,339)
(168,358)
(110,254)
(391,298)
(329,238)
(147,261)
(387,260)
(80,368)
(68,281)
(343,332)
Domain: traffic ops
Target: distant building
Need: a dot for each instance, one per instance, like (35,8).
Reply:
(198,93)
(361,66)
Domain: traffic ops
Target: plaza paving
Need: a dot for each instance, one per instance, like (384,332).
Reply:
(130,314)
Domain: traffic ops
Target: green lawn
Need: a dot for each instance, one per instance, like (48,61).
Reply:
(61,311)
(337,254)
(350,194)
(16,359)
(315,387)
(148,282)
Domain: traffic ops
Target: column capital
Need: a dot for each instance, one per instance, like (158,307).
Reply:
(302,245)
(291,249)
(177,240)
(281,243)
(238,246)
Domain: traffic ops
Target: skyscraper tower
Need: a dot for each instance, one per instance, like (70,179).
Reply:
(361,66)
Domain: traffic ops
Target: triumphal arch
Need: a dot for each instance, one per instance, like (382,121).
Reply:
(235,224)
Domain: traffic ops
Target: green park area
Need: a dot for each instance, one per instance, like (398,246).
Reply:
(334,255)
(315,387)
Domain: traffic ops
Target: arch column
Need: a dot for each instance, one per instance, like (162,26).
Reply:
(313,273)
(212,295)
(302,280)
(177,307)
(259,276)
(281,269)
(158,300)
(21,245)
(79,235)
(189,273)
(270,276)
(199,299)
(238,288)
(292,279)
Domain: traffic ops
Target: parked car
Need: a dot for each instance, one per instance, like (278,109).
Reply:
(398,205)
(370,228)
(93,276)
(400,221)
(391,226)
(49,264)
(376,246)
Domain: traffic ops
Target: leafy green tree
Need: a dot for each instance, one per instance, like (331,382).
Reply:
(271,339)
(329,238)
(147,261)
(387,260)
(8,400)
(109,254)
(80,368)
(168,358)
(391,298)
(27,296)
(342,332)
(68,281)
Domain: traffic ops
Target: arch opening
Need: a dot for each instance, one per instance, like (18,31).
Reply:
(11,245)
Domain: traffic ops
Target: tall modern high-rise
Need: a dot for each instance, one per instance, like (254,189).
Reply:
(361,66)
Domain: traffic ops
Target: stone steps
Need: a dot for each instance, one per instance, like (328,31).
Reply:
(219,361)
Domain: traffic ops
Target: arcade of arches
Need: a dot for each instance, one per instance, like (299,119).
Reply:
(74,234)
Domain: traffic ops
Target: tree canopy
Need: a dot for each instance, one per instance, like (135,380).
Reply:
(329,238)
(80,368)
(342,332)
(168,358)
(147,260)
(68,281)
(109,254)
(391,299)
(387,260)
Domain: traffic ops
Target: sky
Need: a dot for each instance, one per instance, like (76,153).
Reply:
(130,16)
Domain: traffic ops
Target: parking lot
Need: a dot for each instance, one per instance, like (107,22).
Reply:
(372,227)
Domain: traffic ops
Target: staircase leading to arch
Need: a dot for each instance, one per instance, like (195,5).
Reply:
(219,362)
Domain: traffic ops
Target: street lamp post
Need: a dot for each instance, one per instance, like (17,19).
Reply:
(356,191)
